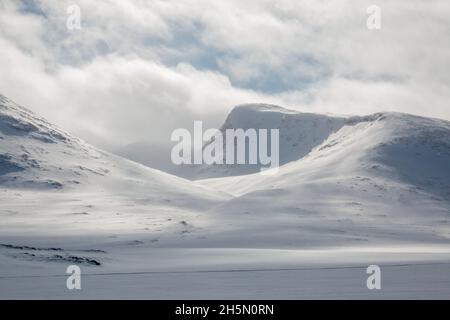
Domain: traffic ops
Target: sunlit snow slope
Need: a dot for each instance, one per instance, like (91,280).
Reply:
(299,133)
(34,154)
(51,182)
(378,179)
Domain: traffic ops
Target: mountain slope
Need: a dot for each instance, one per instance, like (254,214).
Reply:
(53,184)
(35,154)
(401,147)
(299,133)
(382,178)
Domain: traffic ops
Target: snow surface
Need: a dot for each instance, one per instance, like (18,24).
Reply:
(299,133)
(353,191)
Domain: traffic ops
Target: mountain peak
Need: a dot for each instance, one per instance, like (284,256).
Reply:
(261,107)
(299,133)
(34,154)
(16,120)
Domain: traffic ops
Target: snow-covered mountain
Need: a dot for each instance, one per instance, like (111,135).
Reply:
(393,145)
(344,180)
(351,191)
(299,133)
(34,154)
(379,178)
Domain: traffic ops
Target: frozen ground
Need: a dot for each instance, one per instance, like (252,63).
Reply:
(239,274)
(141,272)
(364,190)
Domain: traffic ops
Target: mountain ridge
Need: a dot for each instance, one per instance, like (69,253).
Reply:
(37,155)
(382,178)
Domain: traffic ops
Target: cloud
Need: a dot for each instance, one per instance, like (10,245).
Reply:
(132,99)
(139,69)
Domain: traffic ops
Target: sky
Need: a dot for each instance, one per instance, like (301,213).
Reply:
(137,70)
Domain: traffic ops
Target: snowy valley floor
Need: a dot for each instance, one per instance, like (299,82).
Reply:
(131,251)
(143,273)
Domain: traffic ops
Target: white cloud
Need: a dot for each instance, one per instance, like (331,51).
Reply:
(138,69)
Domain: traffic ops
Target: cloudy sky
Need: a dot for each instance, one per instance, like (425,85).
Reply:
(139,69)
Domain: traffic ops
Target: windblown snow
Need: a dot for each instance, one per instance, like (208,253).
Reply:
(351,191)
